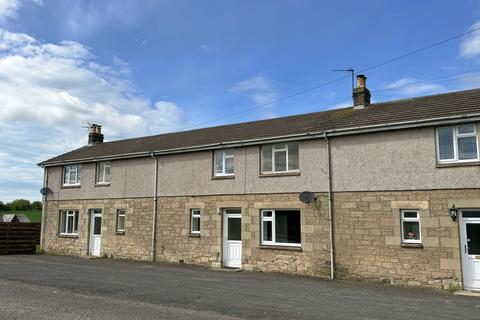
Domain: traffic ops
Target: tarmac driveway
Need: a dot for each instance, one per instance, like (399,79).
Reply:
(52,287)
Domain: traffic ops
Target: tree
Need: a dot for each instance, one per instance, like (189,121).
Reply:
(4,206)
(20,205)
(36,205)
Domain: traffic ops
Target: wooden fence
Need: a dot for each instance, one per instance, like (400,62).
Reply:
(19,238)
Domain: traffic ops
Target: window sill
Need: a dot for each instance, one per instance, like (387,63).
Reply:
(194,235)
(102,185)
(279,247)
(120,233)
(458,164)
(73,186)
(412,245)
(71,236)
(279,174)
(223,177)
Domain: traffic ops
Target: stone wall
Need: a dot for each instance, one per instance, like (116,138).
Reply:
(368,239)
(175,244)
(367,234)
(135,243)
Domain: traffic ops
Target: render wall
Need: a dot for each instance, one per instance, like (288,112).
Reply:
(395,160)
(130,178)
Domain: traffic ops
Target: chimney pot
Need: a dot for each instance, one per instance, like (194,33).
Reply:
(361,81)
(361,95)
(95,135)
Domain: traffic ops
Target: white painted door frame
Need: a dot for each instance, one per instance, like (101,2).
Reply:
(95,232)
(470,257)
(232,238)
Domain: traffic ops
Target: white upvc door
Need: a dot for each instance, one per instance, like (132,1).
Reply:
(470,240)
(95,232)
(232,238)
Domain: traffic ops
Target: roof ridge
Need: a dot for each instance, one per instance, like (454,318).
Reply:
(425,97)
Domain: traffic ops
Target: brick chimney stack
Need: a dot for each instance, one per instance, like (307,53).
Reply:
(95,135)
(361,95)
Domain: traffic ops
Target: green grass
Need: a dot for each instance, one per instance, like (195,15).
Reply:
(33,215)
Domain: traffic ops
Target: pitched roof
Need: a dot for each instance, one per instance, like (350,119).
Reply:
(461,103)
(12,217)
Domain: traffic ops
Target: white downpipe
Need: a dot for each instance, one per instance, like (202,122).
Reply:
(330,209)
(44,208)
(154,213)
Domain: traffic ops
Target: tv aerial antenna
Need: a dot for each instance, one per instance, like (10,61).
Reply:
(352,73)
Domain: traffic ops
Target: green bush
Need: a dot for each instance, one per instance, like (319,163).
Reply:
(20,205)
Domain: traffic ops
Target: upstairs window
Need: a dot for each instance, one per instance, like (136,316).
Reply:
(457,143)
(103,173)
(72,175)
(410,226)
(224,163)
(278,158)
(68,222)
(195,221)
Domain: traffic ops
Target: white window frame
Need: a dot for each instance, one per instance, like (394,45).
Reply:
(195,214)
(101,175)
(77,168)
(274,151)
(65,216)
(224,157)
(272,219)
(121,213)
(404,219)
(457,135)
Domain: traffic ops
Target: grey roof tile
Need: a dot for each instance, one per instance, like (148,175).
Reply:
(415,109)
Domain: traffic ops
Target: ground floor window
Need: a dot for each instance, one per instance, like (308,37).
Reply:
(195,221)
(410,226)
(120,221)
(68,222)
(281,227)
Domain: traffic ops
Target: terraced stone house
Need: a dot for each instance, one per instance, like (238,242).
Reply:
(396,194)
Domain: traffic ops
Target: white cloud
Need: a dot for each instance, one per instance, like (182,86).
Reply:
(470,45)
(259,89)
(412,87)
(48,91)
(9,8)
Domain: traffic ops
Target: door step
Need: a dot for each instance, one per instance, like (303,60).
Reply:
(468,293)
(227,269)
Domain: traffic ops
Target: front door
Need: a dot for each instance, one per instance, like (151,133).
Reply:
(470,239)
(95,232)
(232,238)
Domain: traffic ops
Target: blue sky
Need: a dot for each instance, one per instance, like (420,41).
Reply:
(170,65)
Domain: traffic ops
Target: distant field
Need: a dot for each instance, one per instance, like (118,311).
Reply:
(33,215)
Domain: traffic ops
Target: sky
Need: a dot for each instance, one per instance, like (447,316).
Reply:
(148,67)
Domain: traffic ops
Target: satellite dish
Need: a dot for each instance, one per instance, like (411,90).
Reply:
(307,197)
(45,191)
